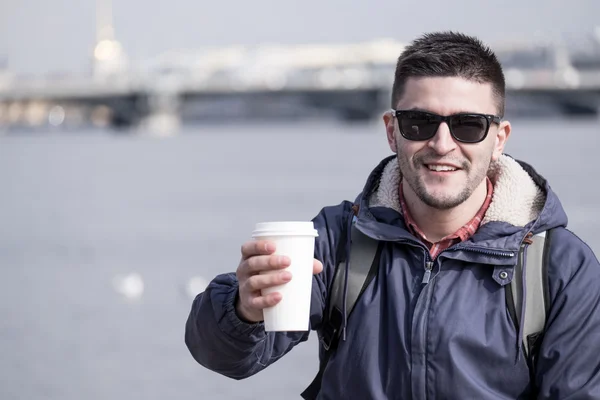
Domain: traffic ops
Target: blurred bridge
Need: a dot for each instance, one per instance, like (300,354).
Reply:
(351,81)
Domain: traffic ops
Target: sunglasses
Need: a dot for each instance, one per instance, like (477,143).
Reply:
(464,127)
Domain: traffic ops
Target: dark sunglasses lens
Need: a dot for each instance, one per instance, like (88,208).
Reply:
(418,126)
(469,128)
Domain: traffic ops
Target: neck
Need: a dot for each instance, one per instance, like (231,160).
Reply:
(437,224)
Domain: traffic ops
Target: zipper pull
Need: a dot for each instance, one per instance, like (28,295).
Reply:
(427,276)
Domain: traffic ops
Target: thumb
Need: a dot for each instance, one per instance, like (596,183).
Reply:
(317,266)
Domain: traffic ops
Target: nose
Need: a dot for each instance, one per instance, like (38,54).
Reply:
(443,142)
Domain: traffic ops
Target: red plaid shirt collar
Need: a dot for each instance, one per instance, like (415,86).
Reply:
(460,235)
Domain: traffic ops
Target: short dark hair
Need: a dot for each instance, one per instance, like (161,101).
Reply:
(449,54)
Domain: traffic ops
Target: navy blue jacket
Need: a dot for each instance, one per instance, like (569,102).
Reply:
(451,338)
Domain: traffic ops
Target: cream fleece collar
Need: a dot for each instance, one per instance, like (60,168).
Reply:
(517,200)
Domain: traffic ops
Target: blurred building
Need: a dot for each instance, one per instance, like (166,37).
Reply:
(351,81)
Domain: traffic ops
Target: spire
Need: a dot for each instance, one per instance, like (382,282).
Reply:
(109,57)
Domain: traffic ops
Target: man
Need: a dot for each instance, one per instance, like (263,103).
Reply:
(451,212)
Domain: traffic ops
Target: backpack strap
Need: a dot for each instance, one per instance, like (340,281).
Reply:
(533,259)
(363,263)
(361,270)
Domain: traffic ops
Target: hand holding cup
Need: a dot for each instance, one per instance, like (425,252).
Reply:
(281,252)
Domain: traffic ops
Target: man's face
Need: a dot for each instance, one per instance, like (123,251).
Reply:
(441,171)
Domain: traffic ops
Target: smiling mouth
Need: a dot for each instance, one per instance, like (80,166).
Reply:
(440,168)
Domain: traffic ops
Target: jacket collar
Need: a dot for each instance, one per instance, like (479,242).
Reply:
(517,199)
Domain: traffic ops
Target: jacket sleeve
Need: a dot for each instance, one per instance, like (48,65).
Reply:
(568,366)
(220,341)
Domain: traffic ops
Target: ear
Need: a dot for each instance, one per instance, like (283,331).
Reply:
(390,128)
(501,137)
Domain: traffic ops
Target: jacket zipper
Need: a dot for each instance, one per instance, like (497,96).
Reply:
(427,275)
(493,253)
(420,327)
(429,264)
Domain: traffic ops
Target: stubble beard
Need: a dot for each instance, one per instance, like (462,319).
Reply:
(447,201)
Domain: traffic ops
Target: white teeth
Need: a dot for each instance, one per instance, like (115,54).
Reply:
(440,168)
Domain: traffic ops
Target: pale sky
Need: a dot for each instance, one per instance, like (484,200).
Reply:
(51,36)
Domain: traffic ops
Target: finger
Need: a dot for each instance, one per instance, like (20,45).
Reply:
(258,264)
(317,267)
(257,247)
(260,302)
(258,282)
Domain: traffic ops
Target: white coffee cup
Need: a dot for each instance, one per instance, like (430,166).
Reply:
(297,241)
